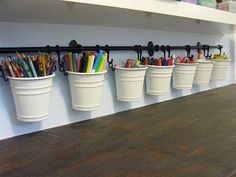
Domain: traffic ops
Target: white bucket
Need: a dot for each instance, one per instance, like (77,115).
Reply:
(203,73)
(32,97)
(183,75)
(220,69)
(158,79)
(86,90)
(129,83)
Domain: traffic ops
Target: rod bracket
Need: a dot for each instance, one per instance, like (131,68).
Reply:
(138,49)
(188,49)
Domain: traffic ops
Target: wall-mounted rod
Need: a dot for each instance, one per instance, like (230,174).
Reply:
(75,47)
(93,48)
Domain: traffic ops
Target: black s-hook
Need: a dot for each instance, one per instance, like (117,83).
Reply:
(109,61)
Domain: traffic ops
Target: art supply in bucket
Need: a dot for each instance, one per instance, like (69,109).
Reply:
(27,66)
(157,61)
(130,63)
(88,62)
(220,57)
(200,55)
(184,60)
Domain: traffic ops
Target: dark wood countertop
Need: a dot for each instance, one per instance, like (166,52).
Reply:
(193,136)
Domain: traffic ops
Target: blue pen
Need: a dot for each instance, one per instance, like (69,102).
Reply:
(97,59)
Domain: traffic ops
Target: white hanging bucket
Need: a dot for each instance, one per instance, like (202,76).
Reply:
(158,79)
(32,97)
(86,90)
(129,83)
(220,69)
(183,75)
(203,72)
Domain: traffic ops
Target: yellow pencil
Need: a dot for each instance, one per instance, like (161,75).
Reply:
(44,66)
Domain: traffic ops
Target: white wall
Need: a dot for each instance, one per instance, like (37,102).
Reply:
(29,34)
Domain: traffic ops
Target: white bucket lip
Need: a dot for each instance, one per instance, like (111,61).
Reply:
(31,78)
(144,67)
(206,62)
(187,64)
(222,60)
(78,73)
(154,66)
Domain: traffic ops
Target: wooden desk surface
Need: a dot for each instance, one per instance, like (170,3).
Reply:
(193,136)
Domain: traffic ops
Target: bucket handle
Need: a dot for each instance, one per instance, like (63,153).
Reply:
(220,48)
(109,61)
(138,49)
(206,49)
(60,63)
(168,51)
(188,49)
(163,49)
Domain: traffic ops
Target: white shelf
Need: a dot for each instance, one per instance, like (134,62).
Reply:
(168,7)
(167,15)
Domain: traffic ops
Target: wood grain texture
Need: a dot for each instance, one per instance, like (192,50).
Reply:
(193,136)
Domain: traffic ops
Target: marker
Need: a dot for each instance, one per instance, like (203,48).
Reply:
(85,63)
(102,63)
(90,63)
(164,62)
(156,62)
(152,61)
(97,60)
(146,61)
(160,61)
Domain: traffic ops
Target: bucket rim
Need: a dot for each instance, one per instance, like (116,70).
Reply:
(31,78)
(154,66)
(187,64)
(78,73)
(133,69)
